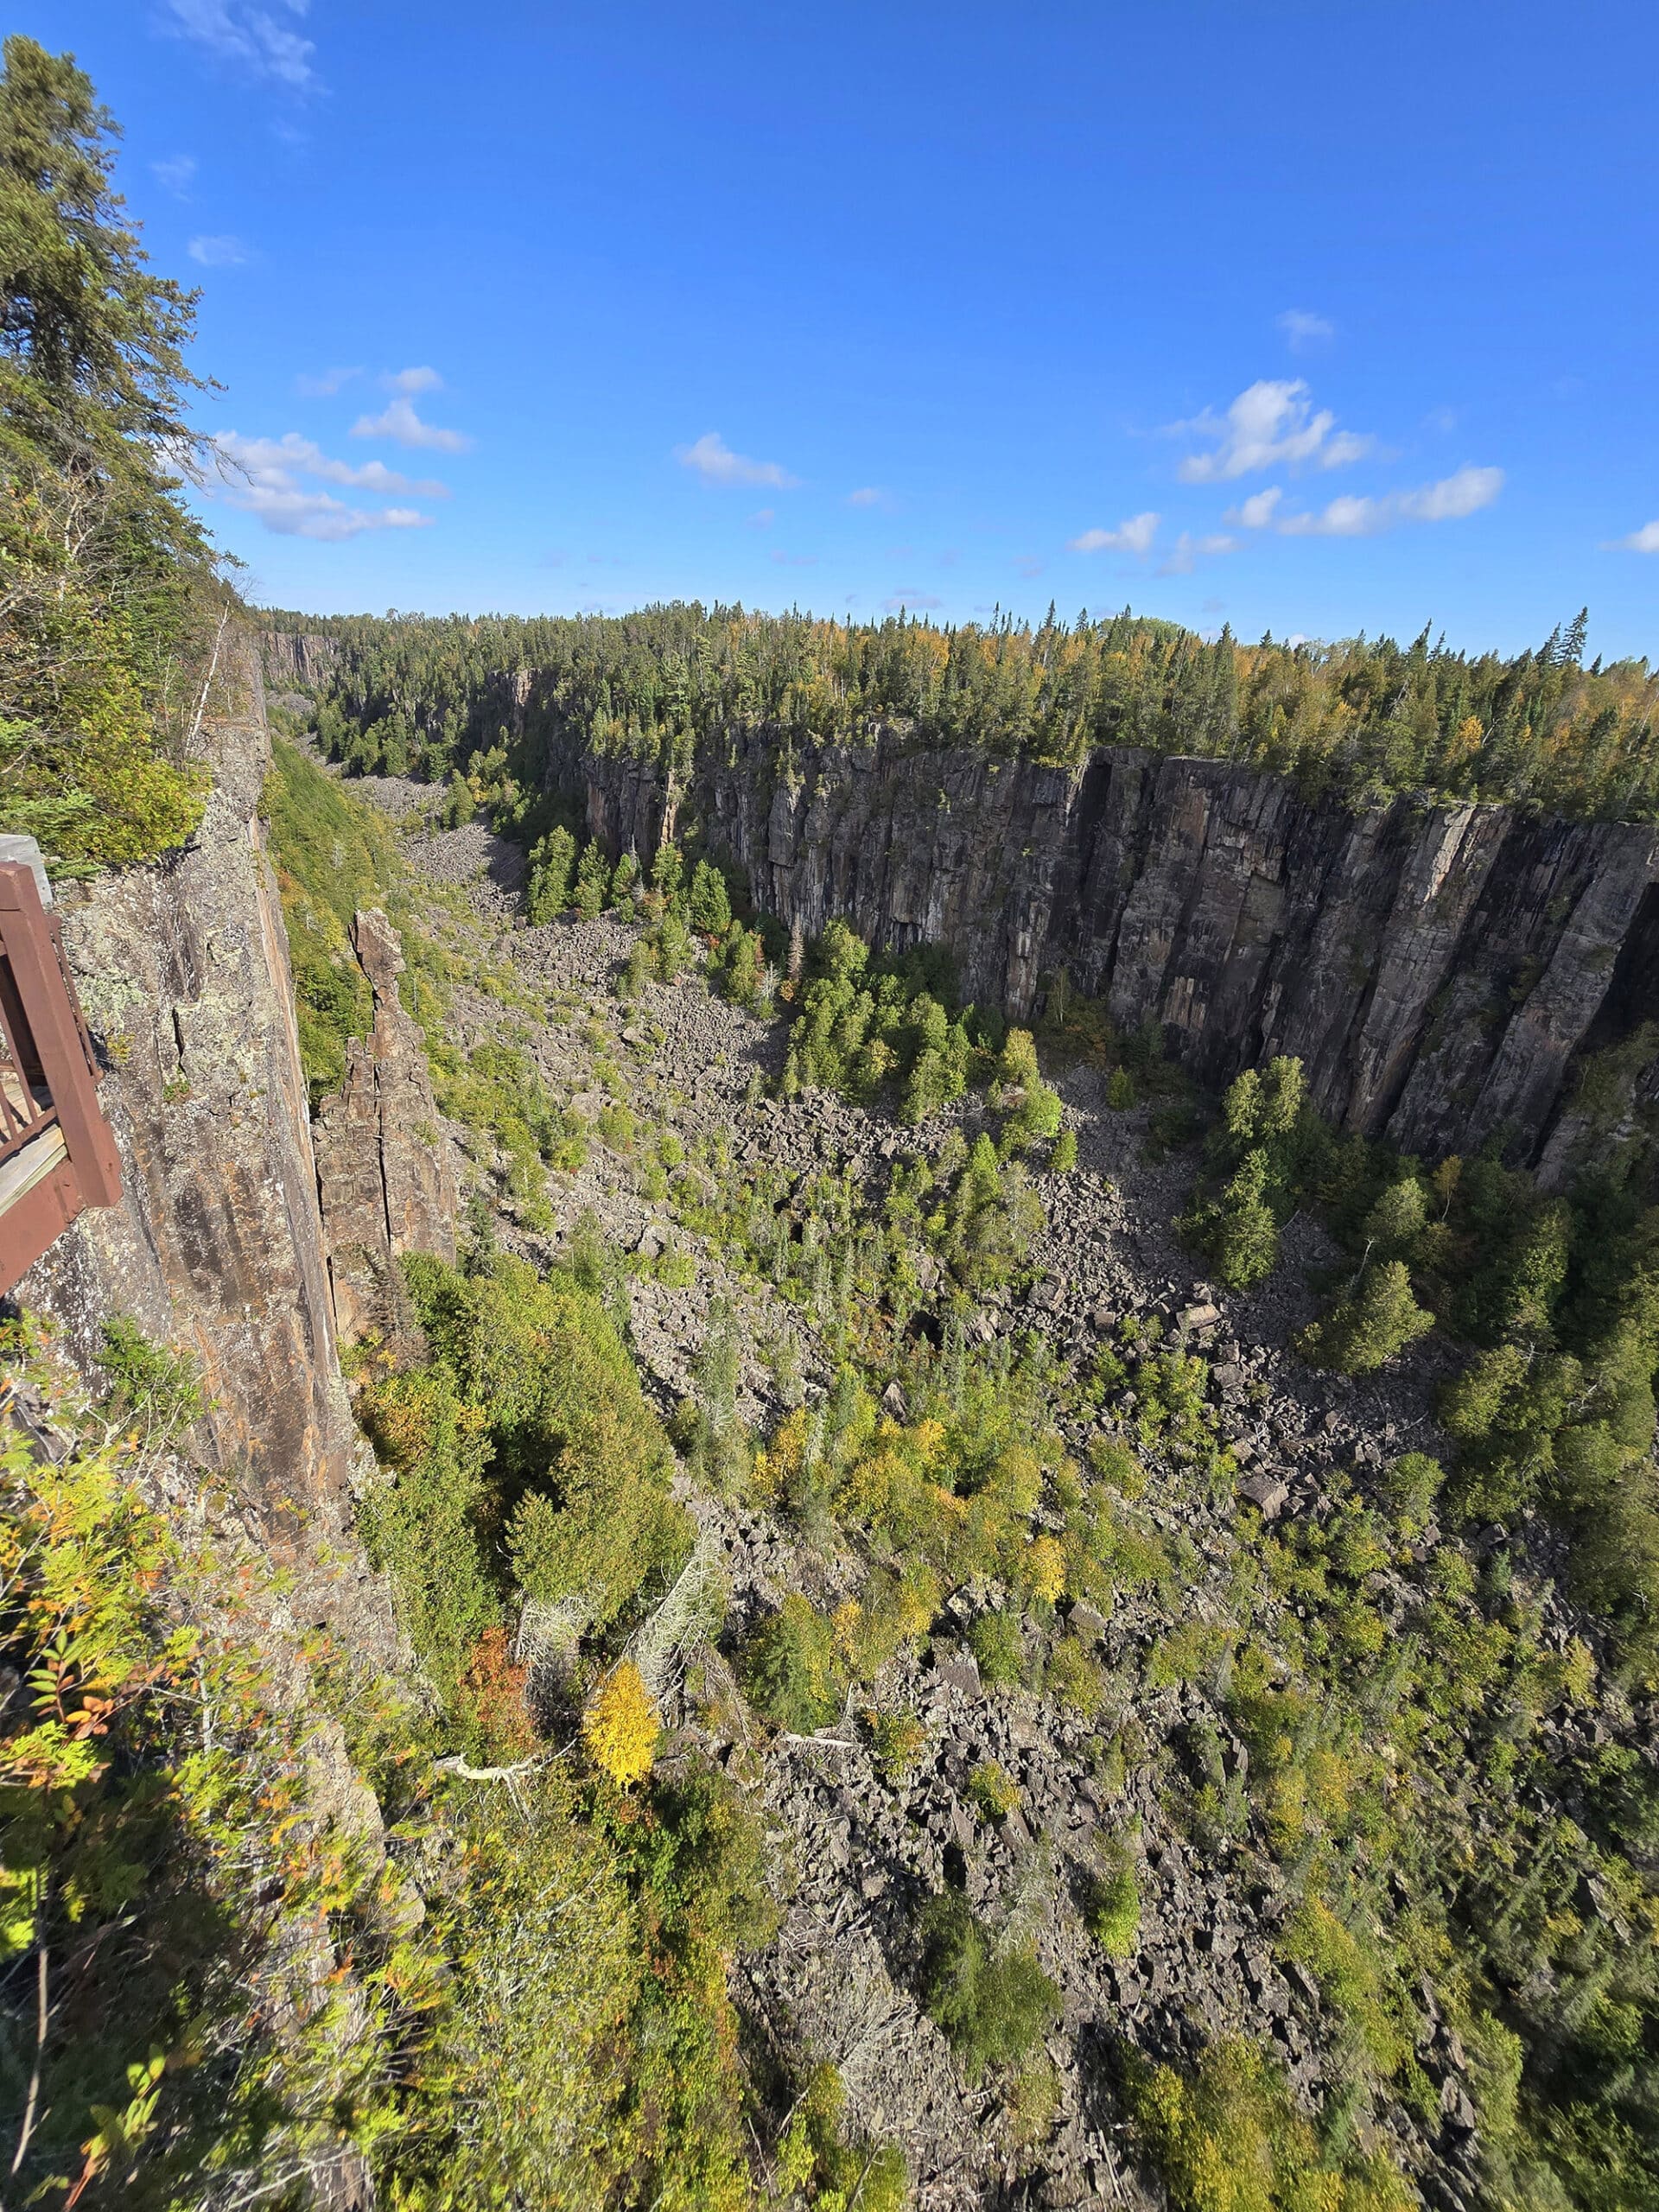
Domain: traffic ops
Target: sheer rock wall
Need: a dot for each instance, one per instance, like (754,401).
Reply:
(1437,968)
(217,1244)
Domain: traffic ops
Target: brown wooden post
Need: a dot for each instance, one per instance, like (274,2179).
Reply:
(57,1153)
(42,981)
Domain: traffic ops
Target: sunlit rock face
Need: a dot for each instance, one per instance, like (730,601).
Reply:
(1438,968)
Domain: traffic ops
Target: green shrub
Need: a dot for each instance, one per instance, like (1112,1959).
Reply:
(790,1668)
(1239,1230)
(992,2008)
(1116,1465)
(670,947)
(1111,1904)
(1064,1157)
(422,1521)
(993,1790)
(547,1432)
(1409,1486)
(813,2155)
(989,1221)
(624,877)
(459,805)
(1072,1677)
(995,1643)
(709,906)
(154,1390)
(617,1128)
(898,1740)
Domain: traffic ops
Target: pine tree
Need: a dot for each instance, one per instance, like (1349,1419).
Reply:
(459,806)
(1366,1330)
(666,870)
(623,879)
(552,859)
(709,908)
(593,882)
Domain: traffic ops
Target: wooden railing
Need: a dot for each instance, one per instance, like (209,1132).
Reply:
(57,1154)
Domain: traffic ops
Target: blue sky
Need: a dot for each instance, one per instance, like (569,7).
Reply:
(1318,318)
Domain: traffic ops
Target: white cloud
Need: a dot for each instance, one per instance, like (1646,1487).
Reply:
(260,476)
(292,452)
(1463,492)
(870,495)
(326,385)
(713,460)
(1187,551)
(1347,445)
(1303,329)
(223,252)
(1134,535)
(398,420)
(1344,518)
(176,172)
(1256,512)
(1269,425)
(292,512)
(1646,540)
(915,602)
(249,39)
(763,518)
(412,382)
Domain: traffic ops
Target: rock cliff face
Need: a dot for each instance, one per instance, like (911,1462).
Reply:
(294,661)
(382,1175)
(182,971)
(1437,969)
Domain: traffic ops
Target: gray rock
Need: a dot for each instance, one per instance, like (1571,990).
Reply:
(959,1671)
(1087,1622)
(1267,1492)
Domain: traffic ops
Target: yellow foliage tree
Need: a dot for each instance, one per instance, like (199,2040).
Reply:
(620,1726)
(1045,1569)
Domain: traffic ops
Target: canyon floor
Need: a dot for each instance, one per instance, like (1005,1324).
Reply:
(855,1853)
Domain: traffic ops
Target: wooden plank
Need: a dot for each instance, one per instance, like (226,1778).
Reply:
(20,1174)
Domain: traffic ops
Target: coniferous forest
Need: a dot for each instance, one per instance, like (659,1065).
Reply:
(1367,718)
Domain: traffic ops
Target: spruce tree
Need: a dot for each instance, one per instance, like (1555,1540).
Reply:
(1365,1330)
(593,882)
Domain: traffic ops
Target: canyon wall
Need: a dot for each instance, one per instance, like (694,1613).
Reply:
(216,1246)
(1441,970)
(1438,968)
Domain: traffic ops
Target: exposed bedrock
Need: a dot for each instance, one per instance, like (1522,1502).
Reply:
(1437,969)
(216,1245)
